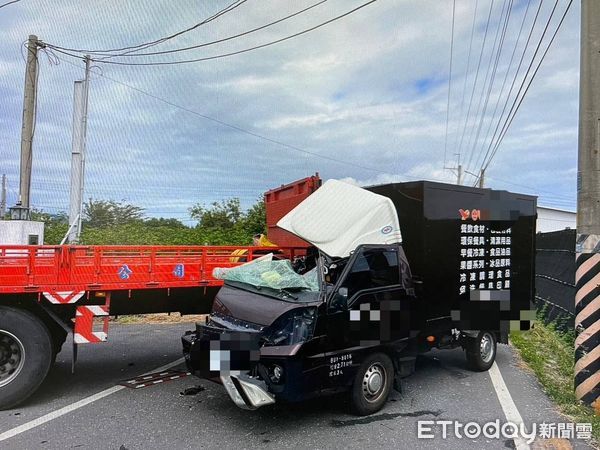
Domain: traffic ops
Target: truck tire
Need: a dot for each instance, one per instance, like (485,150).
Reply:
(481,351)
(372,384)
(25,355)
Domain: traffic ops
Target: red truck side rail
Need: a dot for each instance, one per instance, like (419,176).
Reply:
(80,275)
(67,268)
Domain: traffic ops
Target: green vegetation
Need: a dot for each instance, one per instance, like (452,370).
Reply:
(56,225)
(106,222)
(549,353)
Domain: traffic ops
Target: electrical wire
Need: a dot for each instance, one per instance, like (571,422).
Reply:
(227,9)
(144,45)
(238,52)
(492,53)
(218,41)
(493,116)
(492,149)
(492,78)
(516,76)
(464,90)
(516,99)
(9,3)
(476,76)
(505,129)
(449,81)
(503,122)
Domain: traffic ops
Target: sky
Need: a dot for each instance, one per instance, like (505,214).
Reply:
(364,99)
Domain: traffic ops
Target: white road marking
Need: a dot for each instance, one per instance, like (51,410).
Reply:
(73,406)
(508,405)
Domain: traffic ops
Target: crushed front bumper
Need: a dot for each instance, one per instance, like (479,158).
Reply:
(245,391)
(225,356)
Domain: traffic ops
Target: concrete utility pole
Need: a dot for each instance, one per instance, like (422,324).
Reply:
(3,198)
(29,102)
(481,178)
(458,169)
(587,278)
(80,104)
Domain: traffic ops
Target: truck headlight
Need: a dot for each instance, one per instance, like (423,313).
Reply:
(292,328)
(276,373)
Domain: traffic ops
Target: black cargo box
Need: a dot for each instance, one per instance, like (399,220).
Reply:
(473,250)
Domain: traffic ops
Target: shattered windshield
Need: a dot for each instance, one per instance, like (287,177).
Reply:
(277,274)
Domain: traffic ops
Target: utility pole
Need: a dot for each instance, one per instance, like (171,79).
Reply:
(481,178)
(29,103)
(80,104)
(587,278)
(3,198)
(458,169)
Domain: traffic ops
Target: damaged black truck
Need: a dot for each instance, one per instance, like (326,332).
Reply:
(397,270)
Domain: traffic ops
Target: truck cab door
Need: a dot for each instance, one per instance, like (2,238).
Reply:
(372,302)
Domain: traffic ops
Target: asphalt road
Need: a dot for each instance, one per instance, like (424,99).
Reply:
(160,417)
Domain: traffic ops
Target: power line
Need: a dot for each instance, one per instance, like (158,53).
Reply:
(9,3)
(218,41)
(493,116)
(225,10)
(476,76)
(464,90)
(238,52)
(492,144)
(505,129)
(144,45)
(533,23)
(449,82)
(493,148)
(495,54)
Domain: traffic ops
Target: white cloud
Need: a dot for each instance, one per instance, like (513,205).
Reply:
(567,80)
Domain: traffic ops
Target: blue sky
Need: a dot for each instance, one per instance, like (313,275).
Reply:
(369,91)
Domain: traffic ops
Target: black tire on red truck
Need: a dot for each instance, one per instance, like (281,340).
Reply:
(26,352)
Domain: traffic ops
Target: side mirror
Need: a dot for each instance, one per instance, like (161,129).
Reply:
(340,300)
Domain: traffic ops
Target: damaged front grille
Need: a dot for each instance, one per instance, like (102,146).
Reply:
(218,320)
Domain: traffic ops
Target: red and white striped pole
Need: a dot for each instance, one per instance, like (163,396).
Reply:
(587,278)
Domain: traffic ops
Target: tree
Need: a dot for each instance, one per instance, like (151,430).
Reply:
(164,222)
(55,225)
(255,220)
(42,216)
(224,214)
(104,213)
(108,222)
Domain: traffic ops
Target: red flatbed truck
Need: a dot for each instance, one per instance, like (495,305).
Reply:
(48,292)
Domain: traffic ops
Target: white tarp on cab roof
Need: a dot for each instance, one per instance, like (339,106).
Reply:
(339,216)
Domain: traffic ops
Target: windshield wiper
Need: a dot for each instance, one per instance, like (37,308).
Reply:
(288,294)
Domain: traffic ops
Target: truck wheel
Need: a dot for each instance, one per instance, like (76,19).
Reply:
(481,351)
(25,355)
(372,384)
